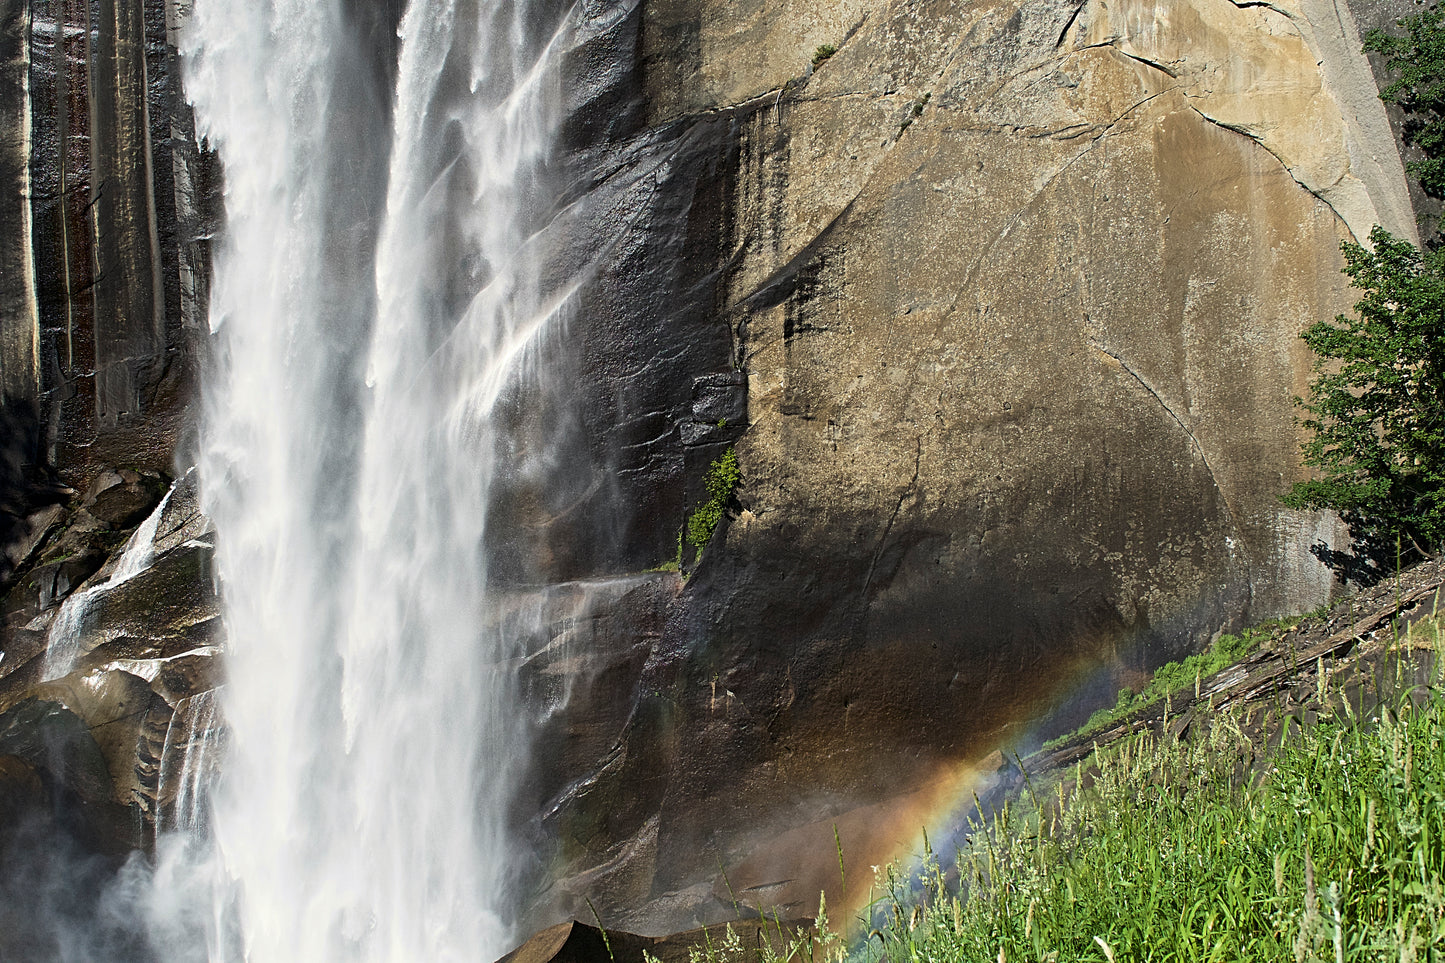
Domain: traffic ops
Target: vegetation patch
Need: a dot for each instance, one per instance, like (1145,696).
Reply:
(1376,410)
(915,111)
(1174,677)
(1323,842)
(1419,58)
(721,481)
(823,52)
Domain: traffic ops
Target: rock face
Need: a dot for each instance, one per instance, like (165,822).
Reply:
(108,280)
(998,305)
(574,942)
(130,695)
(102,308)
(1014,291)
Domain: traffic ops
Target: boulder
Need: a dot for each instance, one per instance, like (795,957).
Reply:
(127,502)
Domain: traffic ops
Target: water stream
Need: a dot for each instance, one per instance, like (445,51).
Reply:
(376,297)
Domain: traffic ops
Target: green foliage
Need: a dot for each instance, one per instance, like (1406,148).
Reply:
(1336,852)
(1419,57)
(915,111)
(823,52)
(1173,677)
(721,481)
(1376,410)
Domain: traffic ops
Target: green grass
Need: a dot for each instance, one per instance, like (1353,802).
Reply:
(776,942)
(1331,847)
(1174,677)
(823,52)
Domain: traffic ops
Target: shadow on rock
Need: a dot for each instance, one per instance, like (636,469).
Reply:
(1361,566)
(26,487)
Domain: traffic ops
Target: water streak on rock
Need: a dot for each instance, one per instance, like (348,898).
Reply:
(65,640)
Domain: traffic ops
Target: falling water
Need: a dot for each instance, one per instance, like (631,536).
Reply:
(376,295)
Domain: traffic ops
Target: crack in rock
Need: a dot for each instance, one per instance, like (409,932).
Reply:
(1204,458)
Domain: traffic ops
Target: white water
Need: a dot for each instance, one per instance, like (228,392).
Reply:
(185,769)
(372,301)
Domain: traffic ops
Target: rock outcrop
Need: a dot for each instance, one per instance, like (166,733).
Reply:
(574,942)
(108,212)
(118,656)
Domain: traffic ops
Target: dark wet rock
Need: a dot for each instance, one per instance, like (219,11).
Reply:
(171,598)
(127,503)
(576,942)
(28,535)
(188,676)
(21,790)
(183,519)
(720,398)
(111,706)
(59,746)
(116,732)
(110,284)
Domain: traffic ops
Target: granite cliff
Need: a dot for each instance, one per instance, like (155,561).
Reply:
(998,305)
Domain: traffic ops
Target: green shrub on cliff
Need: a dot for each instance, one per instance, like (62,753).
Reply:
(1419,58)
(721,481)
(1376,411)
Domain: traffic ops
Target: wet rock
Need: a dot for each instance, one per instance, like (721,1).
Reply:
(572,942)
(695,433)
(21,790)
(182,520)
(111,705)
(187,677)
(21,646)
(131,739)
(576,942)
(109,245)
(127,503)
(56,743)
(29,535)
(720,398)
(173,599)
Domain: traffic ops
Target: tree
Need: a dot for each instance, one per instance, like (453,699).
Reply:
(1376,410)
(1419,56)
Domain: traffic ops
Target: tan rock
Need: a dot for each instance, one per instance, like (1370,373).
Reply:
(1017,290)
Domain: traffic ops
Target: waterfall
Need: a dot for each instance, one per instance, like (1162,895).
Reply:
(376,297)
